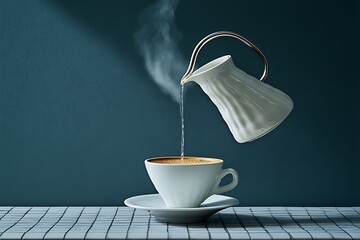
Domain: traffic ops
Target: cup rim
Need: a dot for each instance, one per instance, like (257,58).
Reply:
(149,161)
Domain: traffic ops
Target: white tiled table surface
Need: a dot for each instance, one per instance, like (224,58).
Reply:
(127,223)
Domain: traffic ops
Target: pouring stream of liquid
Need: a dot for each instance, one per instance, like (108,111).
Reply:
(182,120)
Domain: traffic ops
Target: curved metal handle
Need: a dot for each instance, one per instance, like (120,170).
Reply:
(214,35)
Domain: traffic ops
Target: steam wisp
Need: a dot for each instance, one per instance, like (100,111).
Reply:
(157,42)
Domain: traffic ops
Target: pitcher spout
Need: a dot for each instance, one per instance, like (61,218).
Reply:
(210,69)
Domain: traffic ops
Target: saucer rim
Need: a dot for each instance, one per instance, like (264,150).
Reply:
(204,208)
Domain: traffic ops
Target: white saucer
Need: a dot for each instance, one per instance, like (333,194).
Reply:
(156,206)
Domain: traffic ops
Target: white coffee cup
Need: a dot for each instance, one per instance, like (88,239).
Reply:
(187,182)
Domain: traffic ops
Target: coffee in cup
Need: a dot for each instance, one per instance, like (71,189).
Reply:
(185,160)
(187,182)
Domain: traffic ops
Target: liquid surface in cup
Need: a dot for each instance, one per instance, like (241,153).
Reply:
(185,160)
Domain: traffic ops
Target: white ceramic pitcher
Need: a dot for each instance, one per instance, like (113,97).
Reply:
(250,107)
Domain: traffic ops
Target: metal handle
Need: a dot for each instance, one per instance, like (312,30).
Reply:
(214,35)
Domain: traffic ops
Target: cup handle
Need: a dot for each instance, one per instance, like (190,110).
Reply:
(221,189)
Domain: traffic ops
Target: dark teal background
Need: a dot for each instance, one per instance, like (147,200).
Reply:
(79,114)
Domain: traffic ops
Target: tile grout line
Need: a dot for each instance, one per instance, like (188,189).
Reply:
(252,212)
(4,216)
(55,222)
(148,226)
(332,236)
(290,236)
(131,220)
(167,230)
(187,230)
(92,224)
(353,208)
(337,225)
(7,213)
(35,223)
(107,231)
(241,223)
(207,229)
(298,223)
(347,218)
(74,222)
(16,221)
(223,224)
